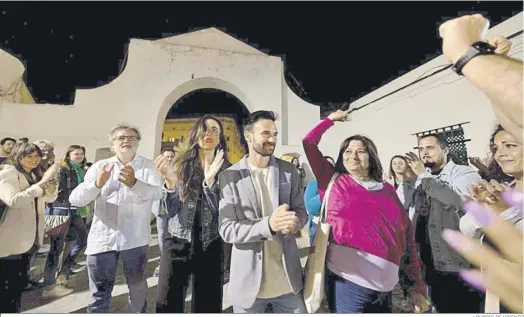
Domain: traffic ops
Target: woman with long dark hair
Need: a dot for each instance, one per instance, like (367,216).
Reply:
(24,191)
(71,174)
(370,229)
(506,172)
(489,168)
(193,246)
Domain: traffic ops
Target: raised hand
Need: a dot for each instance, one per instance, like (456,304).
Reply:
(212,166)
(415,163)
(103,175)
(458,35)
(338,115)
(502,44)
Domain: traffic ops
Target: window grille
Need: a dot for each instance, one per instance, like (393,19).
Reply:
(454,135)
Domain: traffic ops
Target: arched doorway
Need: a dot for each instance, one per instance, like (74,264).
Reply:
(195,104)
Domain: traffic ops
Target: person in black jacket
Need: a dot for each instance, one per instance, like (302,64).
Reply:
(71,174)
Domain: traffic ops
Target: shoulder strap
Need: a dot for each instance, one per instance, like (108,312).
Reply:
(323,216)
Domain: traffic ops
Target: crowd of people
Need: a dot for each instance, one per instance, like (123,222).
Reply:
(437,228)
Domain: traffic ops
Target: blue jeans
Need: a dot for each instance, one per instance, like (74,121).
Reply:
(77,226)
(285,304)
(101,269)
(349,298)
(161,227)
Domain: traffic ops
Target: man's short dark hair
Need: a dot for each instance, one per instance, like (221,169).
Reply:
(5,140)
(441,139)
(259,115)
(25,140)
(168,150)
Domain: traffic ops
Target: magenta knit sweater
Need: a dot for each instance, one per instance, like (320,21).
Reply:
(374,222)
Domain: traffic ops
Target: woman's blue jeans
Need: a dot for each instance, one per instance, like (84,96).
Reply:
(78,228)
(347,297)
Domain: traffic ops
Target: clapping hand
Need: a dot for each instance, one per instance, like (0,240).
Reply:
(127,176)
(503,278)
(103,175)
(490,194)
(50,177)
(283,220)
(167,171)
(415,163)
(51,172)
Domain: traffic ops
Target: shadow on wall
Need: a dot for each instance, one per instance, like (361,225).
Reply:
(103,153)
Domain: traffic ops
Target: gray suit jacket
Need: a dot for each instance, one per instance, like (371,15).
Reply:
(241,224)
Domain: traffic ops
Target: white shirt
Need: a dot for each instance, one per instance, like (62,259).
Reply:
(274,281)
(405,192)
(122,215)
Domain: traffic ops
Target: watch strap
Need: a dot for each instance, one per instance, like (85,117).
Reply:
(476,49)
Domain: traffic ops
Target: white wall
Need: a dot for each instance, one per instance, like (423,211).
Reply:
(11,72)
(157,74)
(442,100)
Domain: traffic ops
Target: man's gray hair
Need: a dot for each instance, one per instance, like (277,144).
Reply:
(42,144)
(124,126)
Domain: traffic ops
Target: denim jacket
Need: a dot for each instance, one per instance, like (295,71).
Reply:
(182,214)
(445,193)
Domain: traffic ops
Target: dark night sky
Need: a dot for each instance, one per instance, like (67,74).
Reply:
(338,51)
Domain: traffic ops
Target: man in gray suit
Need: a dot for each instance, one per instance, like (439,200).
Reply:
(261,210)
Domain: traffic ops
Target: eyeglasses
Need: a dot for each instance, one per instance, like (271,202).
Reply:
(124,137)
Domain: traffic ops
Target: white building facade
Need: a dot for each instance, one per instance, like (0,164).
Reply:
(160,72)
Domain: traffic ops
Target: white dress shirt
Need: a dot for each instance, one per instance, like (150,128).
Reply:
(122,215)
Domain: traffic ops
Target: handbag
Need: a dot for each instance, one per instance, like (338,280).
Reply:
(56,225)
(316,261)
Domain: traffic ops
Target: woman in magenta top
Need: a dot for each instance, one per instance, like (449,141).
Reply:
(370,229)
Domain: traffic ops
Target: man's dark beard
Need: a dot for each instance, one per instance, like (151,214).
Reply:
(430,164)
(260,150)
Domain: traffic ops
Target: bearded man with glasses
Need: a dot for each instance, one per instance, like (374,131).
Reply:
(124,188)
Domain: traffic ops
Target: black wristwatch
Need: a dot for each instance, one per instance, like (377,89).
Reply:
(476,49)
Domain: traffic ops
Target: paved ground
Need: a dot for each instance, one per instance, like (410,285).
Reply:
(77,301)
